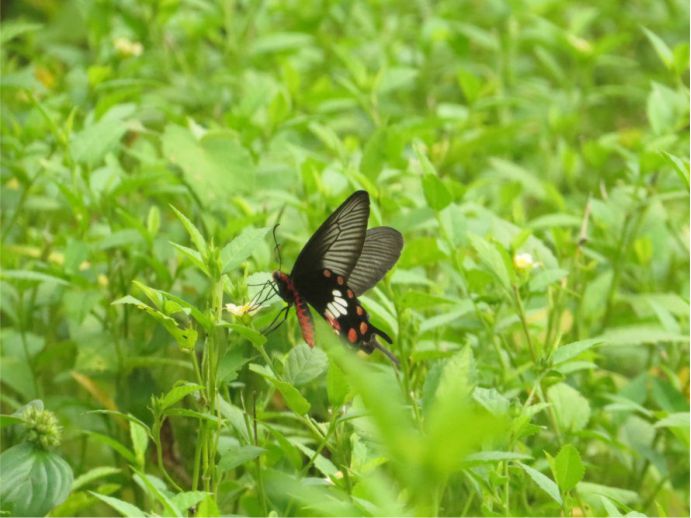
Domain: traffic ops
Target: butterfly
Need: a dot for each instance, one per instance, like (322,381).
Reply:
(341,261)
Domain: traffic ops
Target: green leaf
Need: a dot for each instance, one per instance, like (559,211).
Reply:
(156,488)
(122,507)
(188,499)
(13,28)
(336,385)
(681,166)
(177,393)
(237,456)
(665,109)
(216,165)
(568,468)
(194,256)
(94,474)
(566,352)
(571,408)
(663,51)
(676,420)
(9,420)
(185,337)
(140,440)
(32,480)
(255,337)
(295,401)
(116,445)
(374,154)
(545,483)
(94,142)
(194,233)
(437,195)
(641,334)
(26,275)
(304,364)
(240,248)
(492,259)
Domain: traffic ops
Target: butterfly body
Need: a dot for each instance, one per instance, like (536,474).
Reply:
(341,261)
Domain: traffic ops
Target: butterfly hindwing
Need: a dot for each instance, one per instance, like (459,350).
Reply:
(381,250)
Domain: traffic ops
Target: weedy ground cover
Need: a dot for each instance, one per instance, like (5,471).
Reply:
(533,154)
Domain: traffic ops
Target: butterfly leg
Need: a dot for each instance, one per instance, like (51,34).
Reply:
(276,323)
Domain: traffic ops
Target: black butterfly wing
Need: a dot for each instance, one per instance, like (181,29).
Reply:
(381,250)
(337,243)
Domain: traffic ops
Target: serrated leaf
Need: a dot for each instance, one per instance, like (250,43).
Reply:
(240,248)
(544,482)
(571,408)
(568,468)
(304,364)
(32,480)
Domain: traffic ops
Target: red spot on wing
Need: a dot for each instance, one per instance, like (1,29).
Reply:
(363,328)
(340,280)
(327,273)
(359,311)
(352,335)
(350,294)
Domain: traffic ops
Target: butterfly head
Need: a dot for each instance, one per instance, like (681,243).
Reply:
(284,285)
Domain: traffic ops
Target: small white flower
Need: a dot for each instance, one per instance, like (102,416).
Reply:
(127,47)
(238,311)
(524,261)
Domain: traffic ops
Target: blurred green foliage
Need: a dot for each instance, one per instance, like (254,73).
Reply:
(533,154)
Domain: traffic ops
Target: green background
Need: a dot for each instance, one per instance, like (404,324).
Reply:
(482,131)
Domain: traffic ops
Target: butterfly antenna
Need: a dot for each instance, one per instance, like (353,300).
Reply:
(277,248)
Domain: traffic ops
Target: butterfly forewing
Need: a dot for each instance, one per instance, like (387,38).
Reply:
(337,244)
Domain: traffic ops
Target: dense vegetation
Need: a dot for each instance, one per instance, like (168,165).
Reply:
(533,154)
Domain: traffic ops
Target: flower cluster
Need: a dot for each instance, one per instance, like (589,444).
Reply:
(42,427)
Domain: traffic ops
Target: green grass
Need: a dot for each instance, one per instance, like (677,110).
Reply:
(533,154)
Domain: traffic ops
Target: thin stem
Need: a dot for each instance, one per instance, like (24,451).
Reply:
(524,322)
